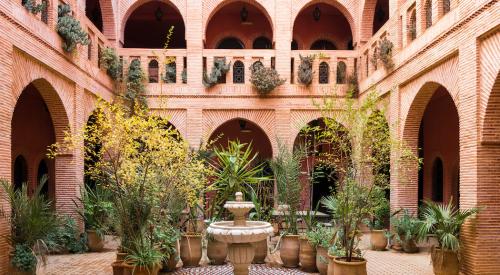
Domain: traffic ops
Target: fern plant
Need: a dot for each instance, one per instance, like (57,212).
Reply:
(70,29)
(305,73)
(219,71)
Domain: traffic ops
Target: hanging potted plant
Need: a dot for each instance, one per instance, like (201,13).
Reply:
(445,221)
(305,72)
(406,231)
(286,168)
(265,79)
(378,220)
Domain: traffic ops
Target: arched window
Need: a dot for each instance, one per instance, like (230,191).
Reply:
(341,72)
(262,42)
(446,6)
(412,26)
(153,71)
(294,45)
(230,43)
(238,72)
(323,44)
(324,73)
(437,180)
(93,12)
(20,172)
(428,14)
(170,73)
(43,170)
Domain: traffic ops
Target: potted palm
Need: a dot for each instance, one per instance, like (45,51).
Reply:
(406,231)
(286,168)
(32,219)
(445,221)
(96,209)
(378,220)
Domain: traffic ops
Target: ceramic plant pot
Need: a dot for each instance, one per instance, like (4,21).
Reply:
(307,256)
(289,250)
(190,250)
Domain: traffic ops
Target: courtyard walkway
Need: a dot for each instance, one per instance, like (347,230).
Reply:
(379,263)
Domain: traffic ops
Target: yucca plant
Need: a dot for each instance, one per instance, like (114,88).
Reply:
(97,207)
(445,221)
(406,230)
(145,255)
(235,168)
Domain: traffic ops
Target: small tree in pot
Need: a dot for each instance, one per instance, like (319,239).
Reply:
(445,221)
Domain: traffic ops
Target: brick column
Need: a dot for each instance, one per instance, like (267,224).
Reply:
(469,185)
(283,37)
(6,110)
(194,42)
(194,122)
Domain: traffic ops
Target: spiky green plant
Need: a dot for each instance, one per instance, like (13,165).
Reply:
(405,226)
(219,70)
(445,221)
(97,208)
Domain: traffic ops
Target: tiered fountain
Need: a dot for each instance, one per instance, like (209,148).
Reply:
(240,234)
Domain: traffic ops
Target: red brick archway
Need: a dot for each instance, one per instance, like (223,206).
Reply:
(405,190)
(369,16)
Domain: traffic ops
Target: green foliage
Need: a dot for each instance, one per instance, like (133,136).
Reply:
(144,254)
(166,236)
(321,236)
(265,80)
(262,211)
(219,70)
(445,221)
(286,168)
(305,73)
(111,63)
(32,217)
(134,94)
(405,226)
(24,258)
(66,238)
(235,168)
(381,210)
(33,7)
(70,29)
(170,73)
(97,208)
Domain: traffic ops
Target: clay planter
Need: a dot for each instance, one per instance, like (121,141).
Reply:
(142,270)
(216,251)
(94,241)
(339,266)
(260,249)
(444,262)
(190,249)
(322,260)
(307,255)
(289,250)
(410,246)
(120,256)
(171,263)
(396,245)
(378,240)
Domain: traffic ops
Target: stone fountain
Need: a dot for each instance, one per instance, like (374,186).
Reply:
(240,234)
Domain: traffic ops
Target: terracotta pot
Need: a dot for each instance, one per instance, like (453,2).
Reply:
(170,264)
(118,268)
(338,266)
(94,241)
(410,246)
(260,249)
(444,262)
(378,240)
(120,256)
(216,251)
(322,260)
(289,250)
(396,245)
(190,249)
(142,270)
(307,256)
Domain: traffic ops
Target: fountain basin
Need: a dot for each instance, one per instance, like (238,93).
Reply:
(253,231)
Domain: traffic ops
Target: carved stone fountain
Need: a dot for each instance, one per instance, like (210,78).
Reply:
(240,234)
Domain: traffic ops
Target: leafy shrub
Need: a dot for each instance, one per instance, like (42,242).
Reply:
(265,79)
(321,236)
(24,258)
(135,86)
(405,227)
(380,212)
(111,63)
(305,73)
(70,29)
(219,71)
(66,238)
(33,7)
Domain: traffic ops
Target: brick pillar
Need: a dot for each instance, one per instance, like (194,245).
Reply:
(283,37)
(194,42)
(6,110)
(194,122)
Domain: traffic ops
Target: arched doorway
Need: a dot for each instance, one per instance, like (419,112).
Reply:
(230,43)
(43,177)
(320,174)
(32,133)
(94,13)
(246,20)
(157,17)
(438,143)
(329,24)
(20,172)
(375,15)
